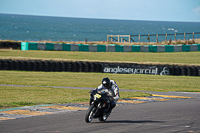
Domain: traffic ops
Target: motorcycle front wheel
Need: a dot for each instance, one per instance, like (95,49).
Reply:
(104,117)
(90,113)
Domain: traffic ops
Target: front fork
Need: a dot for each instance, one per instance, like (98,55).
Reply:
(91,100)
(100,105)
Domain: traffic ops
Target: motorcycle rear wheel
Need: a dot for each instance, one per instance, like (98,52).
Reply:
(90,113)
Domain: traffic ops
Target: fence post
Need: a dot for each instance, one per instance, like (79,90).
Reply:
(118,38)
(139,38)
(193,36)
(129,38)
(157,38)
(148,38)
(175,37)
(107,37)
(184,36)
(166,37)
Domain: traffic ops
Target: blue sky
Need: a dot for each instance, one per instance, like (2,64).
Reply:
(159,10)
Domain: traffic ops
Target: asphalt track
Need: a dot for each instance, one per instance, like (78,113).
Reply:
(178,115)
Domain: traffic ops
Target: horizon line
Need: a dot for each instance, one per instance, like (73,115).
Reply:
(98,18)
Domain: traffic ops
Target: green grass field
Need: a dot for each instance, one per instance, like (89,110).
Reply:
(27,96)
(92,80)
(141,57)
(21,96)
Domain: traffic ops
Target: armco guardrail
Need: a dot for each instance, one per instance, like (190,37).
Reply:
(109,48)
(102,67)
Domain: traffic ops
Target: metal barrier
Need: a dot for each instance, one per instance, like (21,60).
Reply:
(110,47)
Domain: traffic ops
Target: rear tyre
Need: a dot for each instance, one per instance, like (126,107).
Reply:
(90,113)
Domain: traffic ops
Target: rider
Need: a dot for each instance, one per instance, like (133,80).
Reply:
(113,92)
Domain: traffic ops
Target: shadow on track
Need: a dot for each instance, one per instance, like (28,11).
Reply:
(129,121)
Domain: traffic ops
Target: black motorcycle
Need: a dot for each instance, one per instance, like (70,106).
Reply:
(99,105)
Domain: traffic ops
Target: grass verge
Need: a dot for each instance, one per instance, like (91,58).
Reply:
(185,58)
(28,96)
(23,96)
(92,80)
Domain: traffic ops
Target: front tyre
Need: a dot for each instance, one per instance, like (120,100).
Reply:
(90,113)
(104,117)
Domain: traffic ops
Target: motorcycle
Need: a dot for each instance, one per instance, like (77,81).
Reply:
(99,105)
